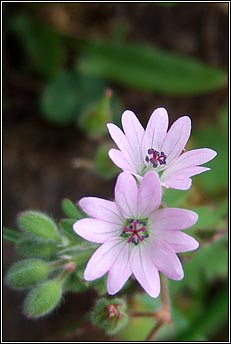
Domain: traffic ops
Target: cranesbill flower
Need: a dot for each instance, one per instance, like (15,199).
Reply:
(156,149)
(137,237)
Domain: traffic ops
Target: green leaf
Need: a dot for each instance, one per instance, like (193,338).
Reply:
(208,322)
(211,217)
(209,262)
(41,43)
(66,226)
(38,225)
(67,95)
(70,209)
(174,198)
(11,235)
(151,69)
(215,136)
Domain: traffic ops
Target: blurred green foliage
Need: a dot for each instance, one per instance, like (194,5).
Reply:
(147,68)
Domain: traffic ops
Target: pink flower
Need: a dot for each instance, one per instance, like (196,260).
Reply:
(137,237)
(156,149)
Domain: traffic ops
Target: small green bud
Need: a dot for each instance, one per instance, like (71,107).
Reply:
(29,248)
(26,273)
(42,299)
(70,209)
(38,225)
(110,315)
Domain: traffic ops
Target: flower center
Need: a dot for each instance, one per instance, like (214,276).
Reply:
(156,158)
(135,231)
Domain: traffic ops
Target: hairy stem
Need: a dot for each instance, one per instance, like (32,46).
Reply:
(154,330)
(164,314)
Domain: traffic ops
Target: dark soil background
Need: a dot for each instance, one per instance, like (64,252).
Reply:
(38,157)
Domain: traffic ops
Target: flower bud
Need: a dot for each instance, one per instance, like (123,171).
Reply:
(70,209)
(40,226)
(42,299)
(110,315)
(29,248)
(26,273)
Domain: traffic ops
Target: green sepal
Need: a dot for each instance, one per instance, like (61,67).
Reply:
(66,226)
(75,284)
(70,209)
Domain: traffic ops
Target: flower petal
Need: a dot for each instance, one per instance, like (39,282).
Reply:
(179,241)
(101,209)
(156,131)
(176,138)
(145,270)
(96,230)
(178,181)
(119,159)
(173,219)
(120,270)
(181,179)
(165,259)
(126,194)
(121,141)
(149,195)
(103,258)
(192,158)
(134,133)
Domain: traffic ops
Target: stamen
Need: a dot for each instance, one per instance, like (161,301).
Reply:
(135,232)
(156,159)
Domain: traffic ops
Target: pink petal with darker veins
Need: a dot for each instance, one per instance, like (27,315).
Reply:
(120,271)
(145,271)
(173,219)
(101,209)
(156,131)
(97,231)
(134,132)
(120,160)
(149,195)
(122,142)
(126,194)
(176,138)
(179,241)
(165,259)
(103,258)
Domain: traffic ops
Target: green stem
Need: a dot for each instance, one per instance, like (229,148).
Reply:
(78,248)
(63,276)
(154,330)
